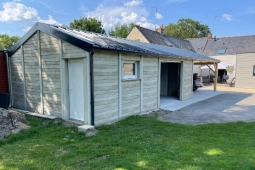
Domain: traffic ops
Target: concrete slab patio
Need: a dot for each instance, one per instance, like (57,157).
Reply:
(225,107)
(172,104)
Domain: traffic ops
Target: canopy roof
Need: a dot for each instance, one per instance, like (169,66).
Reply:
(221,65)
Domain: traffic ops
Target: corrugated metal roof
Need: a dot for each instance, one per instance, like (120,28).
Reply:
(89,40)
(121,44)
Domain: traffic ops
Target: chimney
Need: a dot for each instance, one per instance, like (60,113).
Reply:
(161,29)
(209,36)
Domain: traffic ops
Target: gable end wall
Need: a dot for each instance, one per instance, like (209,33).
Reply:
(136,35)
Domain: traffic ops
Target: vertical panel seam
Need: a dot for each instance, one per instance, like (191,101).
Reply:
(24,80)
(120,86)
(88,88)
(40,71)
(141,76)
(63,87)
(159,73)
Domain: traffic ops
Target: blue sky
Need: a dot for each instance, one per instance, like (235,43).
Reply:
(224,17)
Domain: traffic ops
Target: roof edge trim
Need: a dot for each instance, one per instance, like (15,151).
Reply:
(50,30)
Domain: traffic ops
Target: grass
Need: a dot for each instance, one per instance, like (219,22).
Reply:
(134,143)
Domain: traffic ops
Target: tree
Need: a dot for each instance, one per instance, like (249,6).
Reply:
(6,41)
(230,70)
(187,28)
(121,30)
(88,24)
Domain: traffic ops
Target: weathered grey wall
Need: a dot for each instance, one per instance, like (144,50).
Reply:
(131,91)
(150,83)
(17,80)
(32,77)
(106,91)
(51,82)
(244,70)
(50,75)
(187,87)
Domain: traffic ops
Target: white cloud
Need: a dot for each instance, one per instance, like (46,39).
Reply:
(158,16)
(16,12)
(227,17)
(133,3)
(147,25)
(49,21)
(111,15)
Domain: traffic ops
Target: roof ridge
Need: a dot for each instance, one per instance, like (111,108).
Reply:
(106,35)
(237,36)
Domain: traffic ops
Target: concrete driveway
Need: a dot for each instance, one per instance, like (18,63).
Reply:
(225,107)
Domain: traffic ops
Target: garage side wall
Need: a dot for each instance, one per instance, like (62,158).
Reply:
(115,97)
(39,64)
(17,80)
(106,86)
(187,89)
(51,82)
(131,89)
(32,77)
(245,64)
(150,83)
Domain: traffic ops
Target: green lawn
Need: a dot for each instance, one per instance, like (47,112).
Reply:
(134,143)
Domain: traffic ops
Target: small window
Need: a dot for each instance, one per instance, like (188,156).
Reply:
(254,70)
(130,70)
(221,51)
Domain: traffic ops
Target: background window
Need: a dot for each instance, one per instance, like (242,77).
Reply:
(130,70)
(254,70)
(221,51)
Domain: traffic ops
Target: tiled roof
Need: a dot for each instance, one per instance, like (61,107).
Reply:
(198,44)
(155,37)
(233,45)
(88,41)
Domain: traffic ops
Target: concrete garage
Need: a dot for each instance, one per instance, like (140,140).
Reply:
(92,78)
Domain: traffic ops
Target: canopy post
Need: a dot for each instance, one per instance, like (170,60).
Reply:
(215,76)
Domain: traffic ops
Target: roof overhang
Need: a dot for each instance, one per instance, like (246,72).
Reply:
(52,31)
(68,35)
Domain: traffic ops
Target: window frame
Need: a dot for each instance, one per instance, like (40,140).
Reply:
(221,49)
(130,77)
(253,70)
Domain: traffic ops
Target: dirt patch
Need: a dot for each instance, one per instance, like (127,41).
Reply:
(11,122)
(157,113)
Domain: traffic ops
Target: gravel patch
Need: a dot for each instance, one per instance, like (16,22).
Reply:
(157,113)
(11,122)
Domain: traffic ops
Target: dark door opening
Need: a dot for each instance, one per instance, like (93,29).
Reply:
(221,73)
(170,80)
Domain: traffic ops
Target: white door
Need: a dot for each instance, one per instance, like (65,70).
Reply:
(76,89)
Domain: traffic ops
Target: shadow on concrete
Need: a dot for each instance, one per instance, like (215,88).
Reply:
(225,107)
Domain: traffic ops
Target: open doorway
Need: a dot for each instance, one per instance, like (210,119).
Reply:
(221,72)
(169,83)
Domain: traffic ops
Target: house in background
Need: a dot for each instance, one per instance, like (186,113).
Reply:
(236,50)
(93,78)
(158,37)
